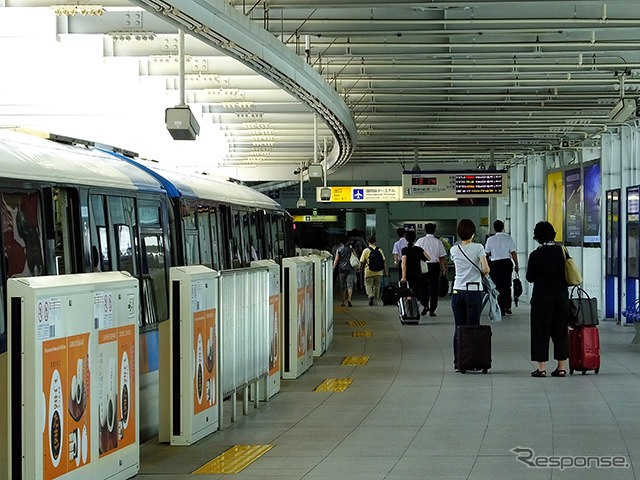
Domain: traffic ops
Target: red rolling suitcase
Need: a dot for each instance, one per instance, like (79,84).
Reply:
(584,349)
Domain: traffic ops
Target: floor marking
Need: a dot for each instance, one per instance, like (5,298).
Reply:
(358,323)
(353,361)
(234,459)
(334,385)
(339,309)
(363,334)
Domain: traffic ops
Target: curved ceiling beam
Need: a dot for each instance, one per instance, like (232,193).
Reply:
(223,27)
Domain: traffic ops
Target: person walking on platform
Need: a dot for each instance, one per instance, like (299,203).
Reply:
(549,301)
(374,267)
(469,260)
(346,273)
(397,250)
(436,252)
(412,274)
(503,259)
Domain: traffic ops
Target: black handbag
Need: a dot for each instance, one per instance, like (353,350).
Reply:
(583,310)
(517,289)
(443,286)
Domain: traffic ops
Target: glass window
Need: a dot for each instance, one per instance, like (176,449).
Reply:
(236,239)
(22,240)
(191,253)
(154,276)
(124,242)
(204,232)
(149,216)
(215,253)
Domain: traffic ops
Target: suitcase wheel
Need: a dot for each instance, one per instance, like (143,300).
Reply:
(463,371)
(571,371)
(597,370)
(484,370)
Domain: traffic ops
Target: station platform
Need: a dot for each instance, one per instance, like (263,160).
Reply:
(407,415)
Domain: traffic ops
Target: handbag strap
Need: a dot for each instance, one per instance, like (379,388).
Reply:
(580,292)
(472,263)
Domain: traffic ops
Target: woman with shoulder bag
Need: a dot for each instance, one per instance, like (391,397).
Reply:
(412,259)
(466,299)
(549,301)
(346,273)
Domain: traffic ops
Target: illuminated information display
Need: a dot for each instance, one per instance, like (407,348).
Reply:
(451,185)
(481,184)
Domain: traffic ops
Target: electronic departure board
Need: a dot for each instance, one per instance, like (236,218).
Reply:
(439,185)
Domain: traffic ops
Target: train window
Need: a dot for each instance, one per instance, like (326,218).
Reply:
(21,235)
(191,252)
(204,235)
(100,244)
(64,215)
(254,239)
(236,239)
(124,247)
(154,278)
(215,230)
(246,240)
(103,249)
(149,216)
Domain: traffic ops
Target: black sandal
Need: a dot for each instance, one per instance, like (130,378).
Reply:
(539,373)
(559,373)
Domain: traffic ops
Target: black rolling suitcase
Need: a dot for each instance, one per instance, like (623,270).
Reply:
(389,295)
(474,348)
(408,309)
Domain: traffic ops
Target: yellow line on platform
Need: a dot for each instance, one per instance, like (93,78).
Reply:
(355,360)
(334,385)
(235,459)
(363,334)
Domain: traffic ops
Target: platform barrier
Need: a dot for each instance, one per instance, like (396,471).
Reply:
(272,381)
(193,365)
(297,278)
(72,373)
(322,300)
(244,328)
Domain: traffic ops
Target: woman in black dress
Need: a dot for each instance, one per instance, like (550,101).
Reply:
(549,301)
(412,255)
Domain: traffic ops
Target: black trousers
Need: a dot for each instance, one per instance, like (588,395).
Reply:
(431,280)
(501,273)
(549,322)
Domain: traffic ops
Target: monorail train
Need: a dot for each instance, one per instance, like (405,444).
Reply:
(70,206)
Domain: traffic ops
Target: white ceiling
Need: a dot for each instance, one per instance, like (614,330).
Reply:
(451,83)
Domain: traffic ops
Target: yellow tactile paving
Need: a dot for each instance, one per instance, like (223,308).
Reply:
(234,459)
(354,360)
(358,323)
(334,385)
(339,309)
(363,334)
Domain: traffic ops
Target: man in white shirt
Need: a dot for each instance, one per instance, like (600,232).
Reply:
(435,249)
(503,259)
(397,250)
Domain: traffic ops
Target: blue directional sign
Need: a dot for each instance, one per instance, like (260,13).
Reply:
(358,193)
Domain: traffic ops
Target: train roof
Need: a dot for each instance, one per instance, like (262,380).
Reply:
(29,157)
(25,156)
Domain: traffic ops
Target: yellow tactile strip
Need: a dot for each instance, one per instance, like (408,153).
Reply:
(339,309)
(358,323)
(334,385)
(354,360)
(235,459)
(363,334)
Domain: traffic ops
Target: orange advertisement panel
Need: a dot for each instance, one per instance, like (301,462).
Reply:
(106,388)
(55,385)
(79,402)
(555,195)
(301,320)
(127,402)
(204,351)
(274,345)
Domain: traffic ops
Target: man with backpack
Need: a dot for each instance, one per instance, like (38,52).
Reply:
(374,268)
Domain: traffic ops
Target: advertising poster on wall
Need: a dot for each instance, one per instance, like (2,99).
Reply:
(79,403)
(555,196)
(592,205)
(573,207)
(302,318)
(126,407)
(107,385)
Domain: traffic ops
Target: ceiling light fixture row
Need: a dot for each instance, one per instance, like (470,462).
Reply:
(71,10)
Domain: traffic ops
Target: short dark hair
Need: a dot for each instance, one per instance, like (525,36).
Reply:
(430,228)
(401,232)
(411,237)
(466,229)
(498,226)
(543,232)
(371,239)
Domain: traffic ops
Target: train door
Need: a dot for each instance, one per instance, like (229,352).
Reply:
(226,242)
(217,255)
(204,235)
(236,238)
(153,256)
